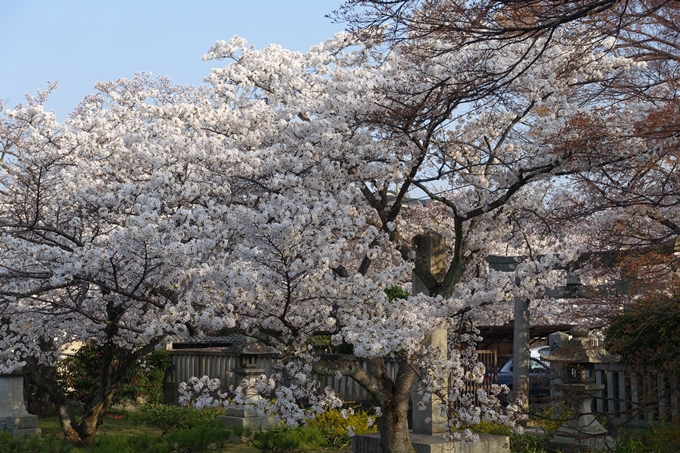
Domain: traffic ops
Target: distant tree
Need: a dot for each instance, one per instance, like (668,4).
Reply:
(647,334)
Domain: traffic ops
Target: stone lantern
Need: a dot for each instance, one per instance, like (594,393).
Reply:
(249,365)
(577,357)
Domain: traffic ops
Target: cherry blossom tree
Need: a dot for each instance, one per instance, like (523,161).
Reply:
(273,203)
(488,164)
(643,30)
(98,219)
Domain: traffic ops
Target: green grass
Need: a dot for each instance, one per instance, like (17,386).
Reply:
(124,432)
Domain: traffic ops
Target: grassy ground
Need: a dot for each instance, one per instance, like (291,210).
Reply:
(118,424)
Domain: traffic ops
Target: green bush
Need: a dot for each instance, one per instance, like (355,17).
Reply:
(529,443)
(80,376)
(395,292)
(328,430)
(492,428)
(648,334)
(169,418)
(33,445)
(334,427)
(658,439)
(126,443)
(284,439)
(210,435)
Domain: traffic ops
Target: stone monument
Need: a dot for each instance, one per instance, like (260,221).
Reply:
(13,414)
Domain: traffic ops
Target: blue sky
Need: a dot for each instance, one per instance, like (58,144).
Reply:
(80,42)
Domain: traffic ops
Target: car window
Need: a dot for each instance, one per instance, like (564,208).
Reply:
(502,361)
(537,367)
(534,367)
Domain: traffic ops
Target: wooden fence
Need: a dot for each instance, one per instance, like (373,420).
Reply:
(636,398)
(631,398)
(490,360)
(218,363)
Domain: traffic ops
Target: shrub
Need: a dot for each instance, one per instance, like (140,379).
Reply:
(528,443)
(648,334)
(80,375)
(284,439)
(334,426)
(658,439)
(33,445)
(328,430)
(498,429)
(210,435)
(169,418)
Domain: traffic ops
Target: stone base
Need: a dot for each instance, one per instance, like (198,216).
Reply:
(28,432)
(370,443)
(21,425)
(21,422)
(253,423)
(568,444)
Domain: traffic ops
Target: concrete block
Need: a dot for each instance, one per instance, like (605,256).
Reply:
(27,432)
(370,443)
(21,422)
(254,423)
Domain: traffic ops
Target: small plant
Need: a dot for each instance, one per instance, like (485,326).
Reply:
(332,429)
(33,445)
(552,418)
(529,443)
(284,439)
(169,418)
(336,426)
(210,435)
(657,439)
(647,334)
(498,429)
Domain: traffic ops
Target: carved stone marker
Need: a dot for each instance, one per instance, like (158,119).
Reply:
(430,264)
(13,414)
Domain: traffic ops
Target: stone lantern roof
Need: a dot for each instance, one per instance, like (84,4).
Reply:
(580,350)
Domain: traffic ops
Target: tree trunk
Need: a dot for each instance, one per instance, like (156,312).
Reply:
(393,429)
(81,433)
(391,396)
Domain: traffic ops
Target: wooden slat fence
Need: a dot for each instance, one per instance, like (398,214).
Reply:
(215,363)
(490,360)
(637,398)
(631,398)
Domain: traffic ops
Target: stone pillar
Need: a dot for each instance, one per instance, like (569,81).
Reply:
(430,260)
(557,340)
(13,415)
(521,355)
